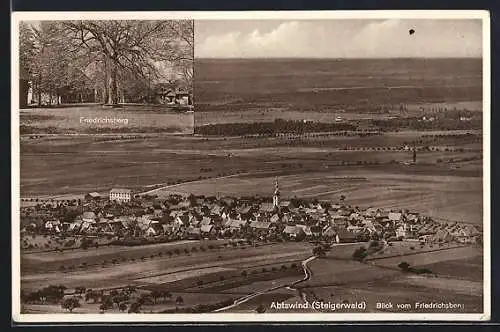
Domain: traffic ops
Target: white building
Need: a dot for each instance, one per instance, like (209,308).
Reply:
(120,195)
(276,197)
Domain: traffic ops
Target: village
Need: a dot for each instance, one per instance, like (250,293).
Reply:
(128,219)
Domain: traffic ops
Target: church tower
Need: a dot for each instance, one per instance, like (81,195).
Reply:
(276,197)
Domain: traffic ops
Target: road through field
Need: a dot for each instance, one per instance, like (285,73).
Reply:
(307,275)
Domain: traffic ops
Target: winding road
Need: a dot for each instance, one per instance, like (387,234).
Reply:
(307,275)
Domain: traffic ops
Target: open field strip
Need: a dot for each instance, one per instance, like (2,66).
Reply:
(171,277)
(126,272)
(456,198)
(428,257)
(101,251)
(457,286)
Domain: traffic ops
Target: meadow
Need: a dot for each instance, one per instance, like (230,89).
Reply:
(129,119)
(444,183)
(217,273)
(380,280)
(260,90)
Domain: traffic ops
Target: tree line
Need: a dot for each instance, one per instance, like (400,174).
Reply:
(271,128)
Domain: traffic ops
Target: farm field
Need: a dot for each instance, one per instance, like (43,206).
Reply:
(199,277)
(62,166)
(67,120)
(152,268)
(447,196)
(213,113)
(52,167)
(396,293)
(380,280)
(315,83)
(429,258)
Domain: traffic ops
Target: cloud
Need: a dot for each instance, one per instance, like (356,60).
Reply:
(347,39)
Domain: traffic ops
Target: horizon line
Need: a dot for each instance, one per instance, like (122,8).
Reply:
(338,58)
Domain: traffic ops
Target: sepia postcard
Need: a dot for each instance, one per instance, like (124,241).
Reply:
(274,166)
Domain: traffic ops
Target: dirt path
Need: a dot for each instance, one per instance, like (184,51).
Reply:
(307,275)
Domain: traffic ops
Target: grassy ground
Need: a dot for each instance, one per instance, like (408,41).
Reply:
(446,196)
(154,269)
(456,279)
(430,258)
(68,120)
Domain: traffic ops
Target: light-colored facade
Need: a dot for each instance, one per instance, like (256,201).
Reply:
(276,197)
(120,195)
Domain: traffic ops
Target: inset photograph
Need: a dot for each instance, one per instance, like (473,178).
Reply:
(105,77)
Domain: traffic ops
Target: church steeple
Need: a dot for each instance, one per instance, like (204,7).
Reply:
(276,197)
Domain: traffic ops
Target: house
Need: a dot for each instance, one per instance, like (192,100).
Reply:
(266,207)
(120,195)
(216,210)
(306,229)
(243,210)
(403,231)
(89,216)
(395,216)
(354,228)
(443,236)
(261,225)
(93,196)
(370,212)
(194,233)
(236,224)
(181,220)
(207,229)
(294,232)
(344,236)
(167,229)
(206,221)
(157,213)
(354,216)
(154,229)
(53,225)
(275,218)
(315,231)
(466,234)
(329,232)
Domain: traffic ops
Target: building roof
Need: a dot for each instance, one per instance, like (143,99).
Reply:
(94,194)
(196,230)
(206,228)
(394,216)
(236,223)
(120,191)
(89,215)
(260,224)
(266,207)
(293,230)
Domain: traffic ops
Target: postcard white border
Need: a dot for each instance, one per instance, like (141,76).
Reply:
(225,318)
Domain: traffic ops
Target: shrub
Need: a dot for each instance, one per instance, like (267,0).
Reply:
(404,266)
(260,309)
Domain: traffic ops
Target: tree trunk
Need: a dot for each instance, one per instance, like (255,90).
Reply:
(113,84)
(106,89)
(39,92)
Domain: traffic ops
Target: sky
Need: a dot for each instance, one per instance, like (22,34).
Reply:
(340,38)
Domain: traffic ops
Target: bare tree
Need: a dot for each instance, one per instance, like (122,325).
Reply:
(135,47)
